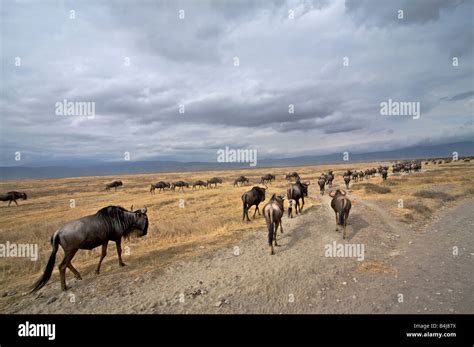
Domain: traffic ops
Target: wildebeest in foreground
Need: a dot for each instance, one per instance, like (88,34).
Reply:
(341,206)
(384,174)
(213,181)
(12,196)
(199,184)
(273,211)
(253,197)
(114,184)
(241,179)
(296,192)
(160,186)
(110,223)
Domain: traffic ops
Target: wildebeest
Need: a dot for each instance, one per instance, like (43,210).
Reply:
(296,192)
(329,178)
(355,176)
(253,197)
(12,196)
(114,184)
(322,184)
(180,185)
(110,223)
(199,184)
(213,181)
(292,175)
(273,212)
(241,179)
(341,206)
(267,179)
(384,174)
(160,186)
(347,180)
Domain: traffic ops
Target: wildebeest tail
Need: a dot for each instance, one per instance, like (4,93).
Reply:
(342,214)
(49,267)
(271,227)
(341,218)
(244,207)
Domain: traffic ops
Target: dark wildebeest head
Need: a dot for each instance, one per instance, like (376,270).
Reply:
(253,197)
(12,196)
(341,206)
(273,212)
(111,223)
(296,192)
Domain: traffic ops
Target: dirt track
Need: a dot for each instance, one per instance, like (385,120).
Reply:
(299,278)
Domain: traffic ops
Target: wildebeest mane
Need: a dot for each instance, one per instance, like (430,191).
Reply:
(115,219)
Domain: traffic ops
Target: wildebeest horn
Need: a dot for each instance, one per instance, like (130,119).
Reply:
(342,190)
(143,210)
(332,193)
(308,183)
(131,208)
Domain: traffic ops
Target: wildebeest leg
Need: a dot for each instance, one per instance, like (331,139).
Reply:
(9,203)
(345,224)
(62,267)
(254,212)
(337,221)
(74,271)
(281,228)
(275,233)
(119,252)
(302,203)
(15,202)
(102,256)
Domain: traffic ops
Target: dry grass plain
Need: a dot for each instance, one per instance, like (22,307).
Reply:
(209,216)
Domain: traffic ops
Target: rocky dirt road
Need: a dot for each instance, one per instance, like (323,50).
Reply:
(405,270)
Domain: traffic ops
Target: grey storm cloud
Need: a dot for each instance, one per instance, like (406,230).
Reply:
(140,63)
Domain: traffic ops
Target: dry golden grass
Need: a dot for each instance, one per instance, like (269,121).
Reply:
(208,215)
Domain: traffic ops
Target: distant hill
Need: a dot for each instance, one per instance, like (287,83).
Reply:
(133,167)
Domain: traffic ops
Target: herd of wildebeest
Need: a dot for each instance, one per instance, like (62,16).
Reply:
(113,223)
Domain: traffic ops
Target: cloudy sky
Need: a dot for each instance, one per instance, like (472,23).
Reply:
(334,60)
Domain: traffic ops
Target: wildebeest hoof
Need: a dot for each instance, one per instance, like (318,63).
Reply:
(78,278)
(123,264)
(97,272)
